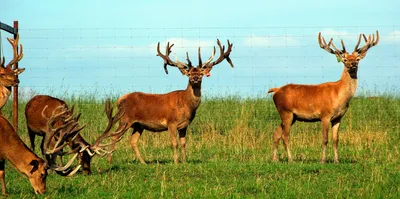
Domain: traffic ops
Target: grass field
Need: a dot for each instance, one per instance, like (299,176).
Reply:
(229,150)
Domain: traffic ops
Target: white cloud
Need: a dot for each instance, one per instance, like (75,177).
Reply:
(337,35)
(393,36)
(271,41)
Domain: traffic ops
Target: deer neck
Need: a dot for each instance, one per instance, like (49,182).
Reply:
(193,92)
(4,94)
(21,159)
(348,83)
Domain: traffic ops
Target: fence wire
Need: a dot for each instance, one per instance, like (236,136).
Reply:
(110,62)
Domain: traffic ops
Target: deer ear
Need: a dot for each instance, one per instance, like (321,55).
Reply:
(206,72)
(19,71)
(35,165)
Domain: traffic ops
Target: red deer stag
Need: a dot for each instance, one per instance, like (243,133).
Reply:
(326,102)
(173,111)
(42,108)
(13,149)
(9,76)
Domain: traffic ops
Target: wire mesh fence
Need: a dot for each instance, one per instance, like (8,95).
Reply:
(103,62)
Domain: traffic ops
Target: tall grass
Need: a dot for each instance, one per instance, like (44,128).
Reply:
(229,150)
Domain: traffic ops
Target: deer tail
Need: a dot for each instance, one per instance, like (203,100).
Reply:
(272,90)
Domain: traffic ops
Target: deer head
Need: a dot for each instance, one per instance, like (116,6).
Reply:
(9,76)
(37,175)
(350,61)
(195,74)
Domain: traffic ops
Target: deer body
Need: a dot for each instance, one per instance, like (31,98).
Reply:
(326,102)
(307,102)
(173,111)
(155,112)
(13,149)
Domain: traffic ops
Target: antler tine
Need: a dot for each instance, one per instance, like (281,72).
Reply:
(2,61)
(377,39)
(167,60)
(111,121)
(188,60)
(200,61)
(344,48)
(223,55)
(17,57)
(99,149)
(209,59)
(358,42)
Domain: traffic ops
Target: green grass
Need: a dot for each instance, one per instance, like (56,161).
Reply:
(229,150)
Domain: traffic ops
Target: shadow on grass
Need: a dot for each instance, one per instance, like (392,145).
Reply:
(169,161)
(307,161)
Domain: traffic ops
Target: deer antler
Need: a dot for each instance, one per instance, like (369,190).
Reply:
(17,57)
(62,127)
(323,45)
(168,61)
(98,147)
(370,42)
(223,55)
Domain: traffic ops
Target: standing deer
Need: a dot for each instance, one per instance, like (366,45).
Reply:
(9,76)
(42,109)
(13,149)
(173,111)
(326,102)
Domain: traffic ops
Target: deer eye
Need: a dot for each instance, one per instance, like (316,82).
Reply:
(358,59)
(344,60)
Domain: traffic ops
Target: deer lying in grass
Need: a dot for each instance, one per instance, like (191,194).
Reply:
(173,111)
(13,149)
(326,102)
(42,108)
(9,76)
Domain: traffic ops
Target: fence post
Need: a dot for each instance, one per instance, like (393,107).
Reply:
(15,89)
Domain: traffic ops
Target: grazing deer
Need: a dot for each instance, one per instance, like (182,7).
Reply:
(9,76)
(326,102)
(42,109)
(173,111)
(13,149)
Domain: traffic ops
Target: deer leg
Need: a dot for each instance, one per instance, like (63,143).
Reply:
(172,133)
(335,138)
(276,137)
(325,128)
(134,139)
(32,139)
(182,140)
(2,176)
(42,146)
(287,121)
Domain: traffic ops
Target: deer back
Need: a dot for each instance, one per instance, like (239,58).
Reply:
(156,111)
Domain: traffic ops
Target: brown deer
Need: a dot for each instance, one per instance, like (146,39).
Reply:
(43,108)
(173,111)
(326,102)
(13,149)
(9,76)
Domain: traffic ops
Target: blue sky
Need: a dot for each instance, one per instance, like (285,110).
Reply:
(108,47)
